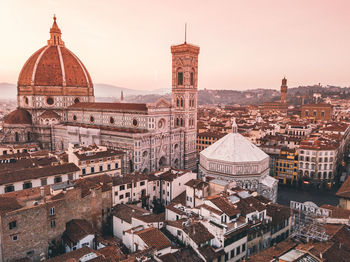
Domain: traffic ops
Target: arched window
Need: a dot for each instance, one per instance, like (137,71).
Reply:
(182,102)
(177,102)
(180,78)
(182,122)
(177,122)
(28,136)
(191,79)
(16,137)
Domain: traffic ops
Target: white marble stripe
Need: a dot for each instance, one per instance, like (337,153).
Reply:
(36,64)
(62,65)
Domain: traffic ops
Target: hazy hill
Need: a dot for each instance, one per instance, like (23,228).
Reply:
(9,91)
(111,93)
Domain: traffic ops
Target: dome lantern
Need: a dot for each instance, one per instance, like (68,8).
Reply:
(55,34)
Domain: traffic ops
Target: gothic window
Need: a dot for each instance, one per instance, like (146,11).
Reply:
(182,102)
(177,102)
(182,122)
(16,137)
(191,79)
(28,136)
(180,78)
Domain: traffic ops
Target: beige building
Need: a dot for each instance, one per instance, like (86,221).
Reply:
(96,160)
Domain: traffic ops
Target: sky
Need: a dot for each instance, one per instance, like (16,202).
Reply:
(244,44)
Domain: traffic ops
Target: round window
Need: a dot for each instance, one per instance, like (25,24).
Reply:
(160,123)
(111,120)
(134,122)
(49,101)
(92,119)
(76,100)
(74,117)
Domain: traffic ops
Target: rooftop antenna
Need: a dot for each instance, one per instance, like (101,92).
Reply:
(185,32)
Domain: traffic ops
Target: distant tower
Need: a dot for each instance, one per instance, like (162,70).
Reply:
(121,96)
(284,88)
(184,97)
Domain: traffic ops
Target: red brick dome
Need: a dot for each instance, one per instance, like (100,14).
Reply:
(19,116)
(54,65)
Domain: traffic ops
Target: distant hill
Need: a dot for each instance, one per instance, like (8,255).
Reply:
(111,93)
(104,91)
(8,91)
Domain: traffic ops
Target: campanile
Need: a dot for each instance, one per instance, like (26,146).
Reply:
(184,97)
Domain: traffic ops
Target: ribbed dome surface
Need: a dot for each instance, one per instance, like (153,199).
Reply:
(54,65)
(19,116)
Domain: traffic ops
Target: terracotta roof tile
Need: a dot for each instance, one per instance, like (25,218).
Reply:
(76,230)
(11,176)
(154,238)
(344,190)
(19,116)
(127,212)
(198,233)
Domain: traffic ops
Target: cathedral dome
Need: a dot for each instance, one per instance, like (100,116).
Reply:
(54,65)
(19,117)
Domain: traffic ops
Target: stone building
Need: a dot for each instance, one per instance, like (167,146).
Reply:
(56,106)
(317,112)
(235,158)
(33,220)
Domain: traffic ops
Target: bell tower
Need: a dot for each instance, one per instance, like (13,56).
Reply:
(184,98)
(284,88)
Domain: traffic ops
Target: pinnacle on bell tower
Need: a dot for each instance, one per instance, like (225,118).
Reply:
(55,34)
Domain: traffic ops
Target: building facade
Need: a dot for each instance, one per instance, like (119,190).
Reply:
(56,107)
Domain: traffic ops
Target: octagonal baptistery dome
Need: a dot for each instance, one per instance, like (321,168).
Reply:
(53,78)
(234,156)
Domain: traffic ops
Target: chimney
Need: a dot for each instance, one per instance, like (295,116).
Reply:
(42,191)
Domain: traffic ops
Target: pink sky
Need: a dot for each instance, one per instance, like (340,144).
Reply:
(244,44)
